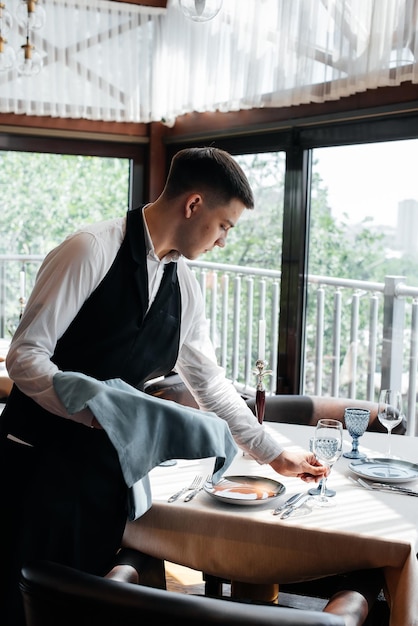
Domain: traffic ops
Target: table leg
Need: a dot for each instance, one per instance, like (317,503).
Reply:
(268,593)
(213,585)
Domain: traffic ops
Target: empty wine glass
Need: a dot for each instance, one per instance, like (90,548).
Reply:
(316,491)
(356,422)
(390,412)
(327,446)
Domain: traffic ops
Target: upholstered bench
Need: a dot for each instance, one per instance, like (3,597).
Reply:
(290,409)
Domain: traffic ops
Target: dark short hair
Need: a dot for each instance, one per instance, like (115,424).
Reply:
(214,171)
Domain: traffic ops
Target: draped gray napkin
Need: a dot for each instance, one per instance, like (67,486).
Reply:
(146,430)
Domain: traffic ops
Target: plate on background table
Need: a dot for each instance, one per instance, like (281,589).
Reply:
(246,490)
(385,470)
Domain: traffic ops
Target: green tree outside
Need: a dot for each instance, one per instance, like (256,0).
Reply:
(45,197)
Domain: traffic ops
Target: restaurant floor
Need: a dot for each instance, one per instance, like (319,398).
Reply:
(185,580)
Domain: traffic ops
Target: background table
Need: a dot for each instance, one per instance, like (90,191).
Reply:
(247,543)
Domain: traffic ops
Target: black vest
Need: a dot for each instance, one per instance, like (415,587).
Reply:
(112,335)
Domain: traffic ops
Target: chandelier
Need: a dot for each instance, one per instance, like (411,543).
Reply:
(29,16)
(200,10)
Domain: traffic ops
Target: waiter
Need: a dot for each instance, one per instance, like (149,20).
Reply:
(115,300)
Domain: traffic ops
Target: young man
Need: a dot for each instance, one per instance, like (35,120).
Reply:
(115,300)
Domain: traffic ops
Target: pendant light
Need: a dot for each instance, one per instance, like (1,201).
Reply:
(200,10)
(30,16)
(7,54)
(28,60)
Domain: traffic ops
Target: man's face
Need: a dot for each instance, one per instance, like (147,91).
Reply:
(207,227)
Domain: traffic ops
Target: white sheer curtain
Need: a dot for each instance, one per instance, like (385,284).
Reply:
(113,61)
(97,62)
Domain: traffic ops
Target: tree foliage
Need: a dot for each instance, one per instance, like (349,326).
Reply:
(257,239)
(45,197)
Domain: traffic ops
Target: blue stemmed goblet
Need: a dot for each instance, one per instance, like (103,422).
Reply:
(356,422)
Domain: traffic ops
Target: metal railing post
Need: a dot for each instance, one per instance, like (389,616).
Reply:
(235,340)
(249,333)
(371,367)
(336,345)
(413,364)
(224,321)
(319,348)
(352,385)
(274,333)
(393,334)
(214,308)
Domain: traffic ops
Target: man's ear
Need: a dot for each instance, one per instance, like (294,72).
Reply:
(193,202)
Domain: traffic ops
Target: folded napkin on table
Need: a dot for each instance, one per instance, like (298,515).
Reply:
(146,430)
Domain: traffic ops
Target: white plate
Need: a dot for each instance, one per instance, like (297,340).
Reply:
(247,490)
(385,470)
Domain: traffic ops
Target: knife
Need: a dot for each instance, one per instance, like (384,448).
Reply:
(289,502)
(291,509)
(395,488)
(387,488)
(177,495)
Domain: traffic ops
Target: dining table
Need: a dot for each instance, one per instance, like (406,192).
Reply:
(363,529)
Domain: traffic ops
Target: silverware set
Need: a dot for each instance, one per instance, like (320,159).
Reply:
(195,491)
(286,509)
(386,487)
(195,486)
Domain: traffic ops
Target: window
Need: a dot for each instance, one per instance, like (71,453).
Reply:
(363,248)
(248,292)
(45,196)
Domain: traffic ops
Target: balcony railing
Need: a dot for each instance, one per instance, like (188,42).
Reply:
(360,335)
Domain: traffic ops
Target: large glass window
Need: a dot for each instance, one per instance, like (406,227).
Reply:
(363,258)
(242,289)
(45,197)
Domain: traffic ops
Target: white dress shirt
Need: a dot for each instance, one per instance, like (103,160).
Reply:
(67,277)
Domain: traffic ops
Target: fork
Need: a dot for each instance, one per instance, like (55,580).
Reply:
(193,485)
(195,491)
(384,487)
(387,487)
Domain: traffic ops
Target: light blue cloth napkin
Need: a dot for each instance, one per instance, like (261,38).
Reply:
(146,430)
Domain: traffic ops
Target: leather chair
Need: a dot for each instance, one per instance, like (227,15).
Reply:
(309,409)
(57,595)
(290,409)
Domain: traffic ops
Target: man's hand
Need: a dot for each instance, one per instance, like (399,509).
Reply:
(302,465)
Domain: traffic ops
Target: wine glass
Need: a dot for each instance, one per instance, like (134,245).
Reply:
(356,422)
(316,491)
(327,446)
(390,412)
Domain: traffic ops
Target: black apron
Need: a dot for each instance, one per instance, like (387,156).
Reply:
(64,499)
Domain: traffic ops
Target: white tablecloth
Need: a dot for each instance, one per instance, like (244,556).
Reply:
(247,543)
